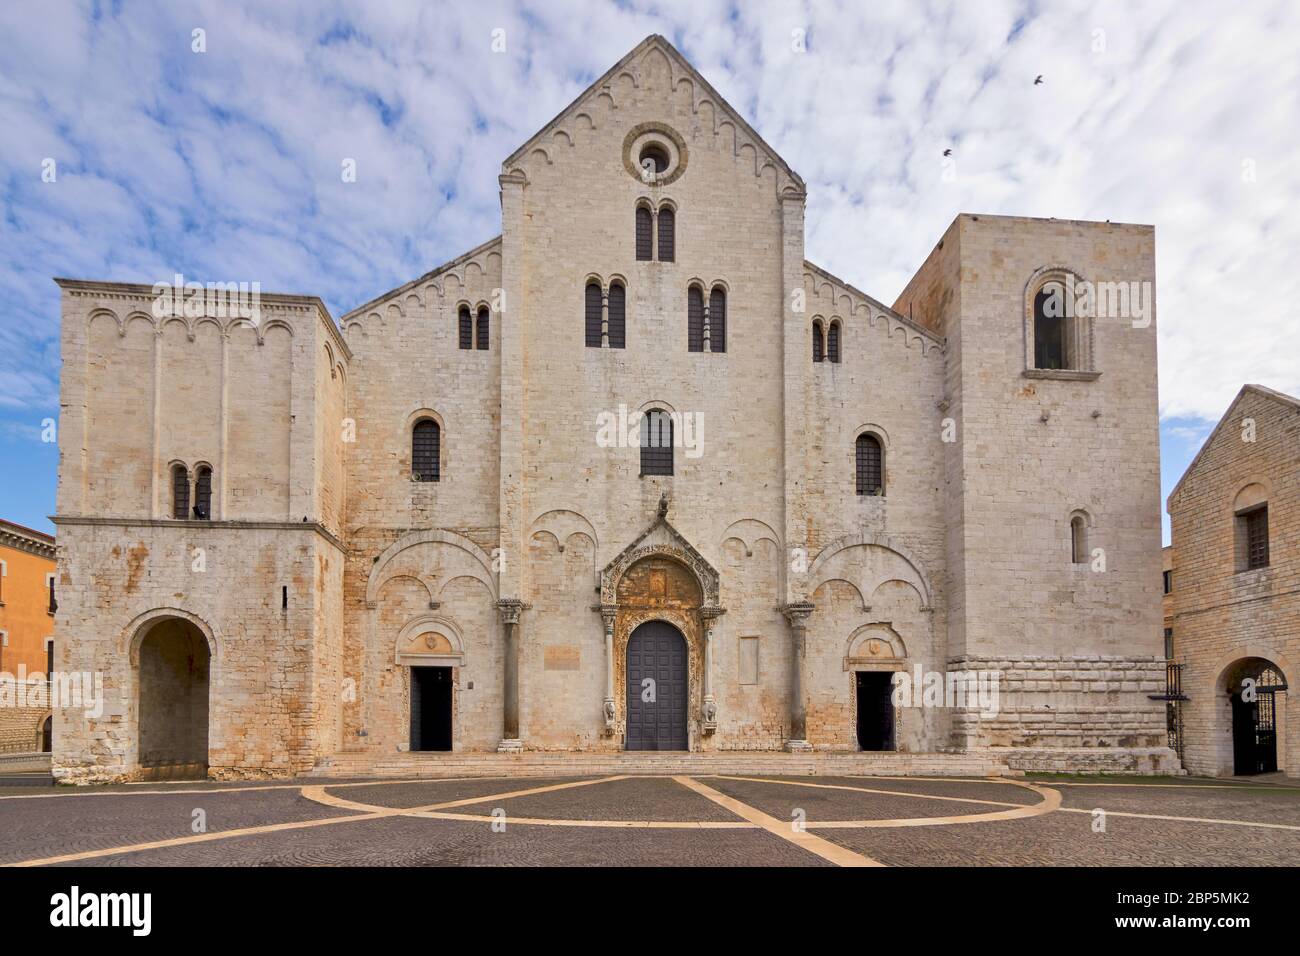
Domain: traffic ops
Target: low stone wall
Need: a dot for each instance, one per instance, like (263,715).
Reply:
(24,763)
(1131,761)
(20,728)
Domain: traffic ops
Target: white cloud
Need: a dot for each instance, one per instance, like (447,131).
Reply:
(226,164)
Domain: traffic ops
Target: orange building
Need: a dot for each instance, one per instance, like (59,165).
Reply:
(27,605)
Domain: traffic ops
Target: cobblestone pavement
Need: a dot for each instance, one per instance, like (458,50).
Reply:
(657,821)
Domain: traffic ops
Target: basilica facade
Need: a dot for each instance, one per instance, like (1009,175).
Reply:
(635,474)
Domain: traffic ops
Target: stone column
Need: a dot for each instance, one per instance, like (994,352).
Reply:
(607,614)
(797,615)
(510,742)
(708,616)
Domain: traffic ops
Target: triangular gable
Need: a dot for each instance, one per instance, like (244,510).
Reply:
(661,538)
(680,66)
(1272,394)
(415,285)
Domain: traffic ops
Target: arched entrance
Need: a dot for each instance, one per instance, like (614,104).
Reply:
(1255,686)
(657,688)
(173,702)
(47,734)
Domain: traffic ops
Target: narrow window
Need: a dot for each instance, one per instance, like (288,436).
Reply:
(1169,582)
(667,234)
(284,597)
(481,341)
(718,320)
(49,656)
(593,315)
(466,328)
(47,735)
(644,234)
(617,316)
(1256,528)
(833,342)
(819,351)
(203,494)
(870,465)
(695,319)
(425,449)
(1049,327)
(1078,540)
(180,492)
(1169,643)
(656,443)
(53,605)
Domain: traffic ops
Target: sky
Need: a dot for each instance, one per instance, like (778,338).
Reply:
(135,148)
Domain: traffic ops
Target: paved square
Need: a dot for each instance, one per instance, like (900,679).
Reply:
(634,820)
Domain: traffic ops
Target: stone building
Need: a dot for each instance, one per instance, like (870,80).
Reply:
(1235,589)
(633,474)
(27,606)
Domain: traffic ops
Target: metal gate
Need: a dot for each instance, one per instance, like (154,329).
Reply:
(656,688)
(1254,734)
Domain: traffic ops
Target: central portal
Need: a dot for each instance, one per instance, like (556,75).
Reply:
(875,710)
(656,688)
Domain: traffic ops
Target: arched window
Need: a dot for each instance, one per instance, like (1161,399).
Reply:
(180,492)
(592,314)
(466,328)
(203,494)
(667,233)
(718,319)
(1078,540)
(426,442)
(644,234)
(656,443)
(870,460)
(617,316)
(481,329)
(818,343)
(1050,327)
(695,319)
(833,342)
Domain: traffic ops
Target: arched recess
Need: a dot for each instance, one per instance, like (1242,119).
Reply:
(479,561)
(430,640)
(1282,721)
(874,647)
(890,560)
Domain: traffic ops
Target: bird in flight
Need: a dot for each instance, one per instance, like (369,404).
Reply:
(947,152)
(1038,80)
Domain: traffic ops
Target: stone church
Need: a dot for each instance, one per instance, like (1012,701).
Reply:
(635,474)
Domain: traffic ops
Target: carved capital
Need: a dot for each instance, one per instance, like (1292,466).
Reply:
(509,609)
(797,613)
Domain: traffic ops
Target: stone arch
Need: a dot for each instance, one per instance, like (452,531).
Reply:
(1079,329)
(918,576)
(173,670)
(889,651)
(481,562)
(408,655)
(133,634)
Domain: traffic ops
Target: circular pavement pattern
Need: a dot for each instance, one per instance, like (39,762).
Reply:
(705,819)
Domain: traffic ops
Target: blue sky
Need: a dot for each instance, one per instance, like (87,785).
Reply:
(224,164)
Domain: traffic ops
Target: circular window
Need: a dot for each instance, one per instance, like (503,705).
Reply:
(654,159)
(654,154)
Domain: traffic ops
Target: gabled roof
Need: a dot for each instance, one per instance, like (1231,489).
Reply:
(654,41)
(1264,392)
(431,274)
(875,303)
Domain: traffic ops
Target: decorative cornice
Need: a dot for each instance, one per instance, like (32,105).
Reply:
(116,522)
(26,539)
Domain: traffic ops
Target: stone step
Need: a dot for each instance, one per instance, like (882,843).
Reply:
(739,762)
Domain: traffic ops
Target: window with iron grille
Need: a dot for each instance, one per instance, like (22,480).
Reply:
(819,351)
(1256,538)
(466,328)
(833,342)
(667,234)
(203,494)
(180,492)
(656,443)
(695,319)
(481,330)
(617,316)
(644,234)
(718,320)
(870,465)
(425,450)
(592,315)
